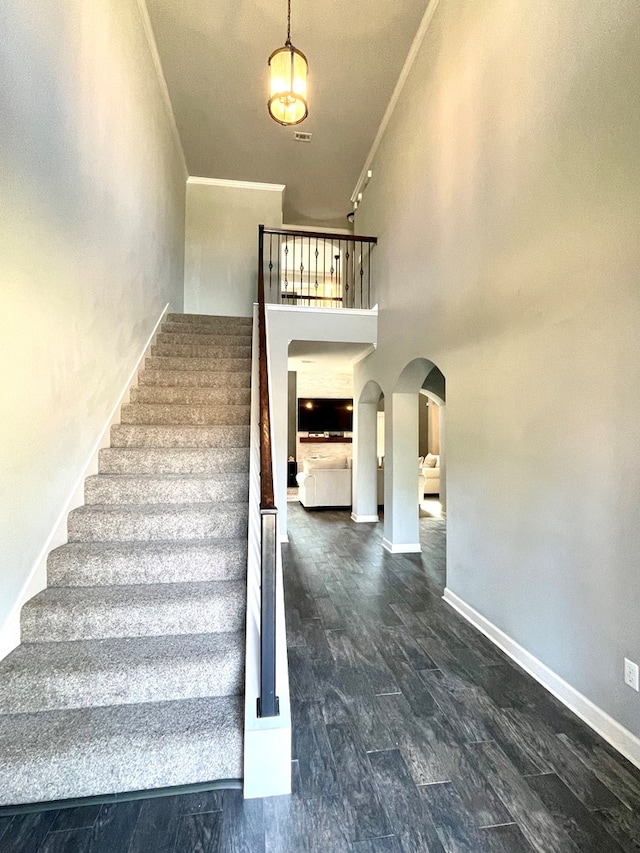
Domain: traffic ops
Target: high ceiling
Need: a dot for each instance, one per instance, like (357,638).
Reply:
(214,56)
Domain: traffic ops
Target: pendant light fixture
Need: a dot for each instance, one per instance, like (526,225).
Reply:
(288,69)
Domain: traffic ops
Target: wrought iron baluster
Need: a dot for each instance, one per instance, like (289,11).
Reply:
(345,304)
(330,280)
(279,299)
(309,270)
(286,268)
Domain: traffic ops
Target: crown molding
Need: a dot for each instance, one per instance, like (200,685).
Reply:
(164,90)
(395,97)
(238,185)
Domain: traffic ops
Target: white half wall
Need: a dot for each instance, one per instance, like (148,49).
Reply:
(506,201)
(91,241)
(221,243)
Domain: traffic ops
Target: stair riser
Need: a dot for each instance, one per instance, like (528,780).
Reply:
(132,435)
(101,490)
(132,526)
(215,365)
(209,321)
(46,624)
(82,564)
(195,379)
(150,680)
(206,330)
(166,460)
(173,413)
(193,351)
(191,396)
(181,338)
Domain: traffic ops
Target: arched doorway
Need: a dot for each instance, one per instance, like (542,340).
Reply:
(401,495)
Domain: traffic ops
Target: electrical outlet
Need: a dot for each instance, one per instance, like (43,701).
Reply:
(631,674)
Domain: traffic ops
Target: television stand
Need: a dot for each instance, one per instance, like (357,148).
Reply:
(331,440)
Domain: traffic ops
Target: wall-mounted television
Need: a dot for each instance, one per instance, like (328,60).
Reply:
(324,414)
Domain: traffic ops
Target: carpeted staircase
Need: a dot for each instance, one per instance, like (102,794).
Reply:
(131,669)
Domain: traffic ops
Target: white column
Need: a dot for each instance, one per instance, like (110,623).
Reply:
(401,511)
(365,465)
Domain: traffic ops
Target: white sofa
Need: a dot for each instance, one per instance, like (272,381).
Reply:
(428,478)
(325,481)
(430,470)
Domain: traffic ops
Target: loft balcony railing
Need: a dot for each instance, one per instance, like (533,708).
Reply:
(315,270)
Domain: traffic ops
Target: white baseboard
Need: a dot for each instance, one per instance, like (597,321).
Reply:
(617,735)
(401,548)
(37,579)
(359,519)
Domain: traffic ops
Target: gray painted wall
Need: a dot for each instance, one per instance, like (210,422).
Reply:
(91,241)
(221,244)
(506,199)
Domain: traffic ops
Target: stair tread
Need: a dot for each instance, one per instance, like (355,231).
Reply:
(206,350)
(157,546)
(179,435)
(195,379)
(196,395)
(208,318)
(82,752)
(136,594)
(240,408)
(113,652)
(177,460)
(185,336)
(214,477)
(40,676)
(134,610)
(177,414)
(114,563)
(158,509)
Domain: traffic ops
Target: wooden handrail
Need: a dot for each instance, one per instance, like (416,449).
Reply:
(268,703)
(267,498)
(287,232)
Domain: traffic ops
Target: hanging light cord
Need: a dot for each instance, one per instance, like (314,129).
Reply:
(288,41)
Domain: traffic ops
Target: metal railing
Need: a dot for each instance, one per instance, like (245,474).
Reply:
(268,704)
(315,270)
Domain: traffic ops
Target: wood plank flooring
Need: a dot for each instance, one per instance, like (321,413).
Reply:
(412,733)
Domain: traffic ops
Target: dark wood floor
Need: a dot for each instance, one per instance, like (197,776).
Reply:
(411,733)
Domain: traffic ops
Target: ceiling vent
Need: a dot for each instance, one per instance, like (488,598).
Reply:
(301,136)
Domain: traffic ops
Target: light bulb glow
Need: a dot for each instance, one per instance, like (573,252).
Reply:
(288,69)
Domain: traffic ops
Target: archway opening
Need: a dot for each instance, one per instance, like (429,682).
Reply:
(412,477)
